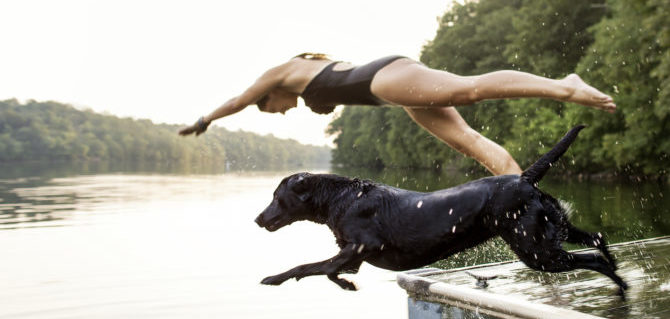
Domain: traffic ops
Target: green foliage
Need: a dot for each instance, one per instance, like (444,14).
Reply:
(549,39)
(630,56)
(53,131)
(621,47)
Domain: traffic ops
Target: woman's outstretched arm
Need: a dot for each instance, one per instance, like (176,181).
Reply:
(263,85)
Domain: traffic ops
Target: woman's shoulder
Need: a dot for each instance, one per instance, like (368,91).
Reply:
(307,67)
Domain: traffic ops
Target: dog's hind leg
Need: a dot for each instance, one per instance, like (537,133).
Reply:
(578,236)
(559,260)
(598,263)
(348,259)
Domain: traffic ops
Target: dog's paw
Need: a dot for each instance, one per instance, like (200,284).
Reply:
(621,291)
(273,280)
(624,286)
(345,284)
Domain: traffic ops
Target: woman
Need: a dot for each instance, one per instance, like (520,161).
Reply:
(426,94)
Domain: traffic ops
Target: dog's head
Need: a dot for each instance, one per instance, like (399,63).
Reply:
(290,203)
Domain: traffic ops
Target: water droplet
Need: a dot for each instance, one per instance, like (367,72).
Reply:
(453,229)
(419,204)
(451,211)
(360,194)
(360,249)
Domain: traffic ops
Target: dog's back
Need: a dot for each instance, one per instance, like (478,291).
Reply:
(420,228)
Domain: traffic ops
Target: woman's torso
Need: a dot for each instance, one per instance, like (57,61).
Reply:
(332,87)
(324,84)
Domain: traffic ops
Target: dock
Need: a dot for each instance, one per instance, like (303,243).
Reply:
(520,292)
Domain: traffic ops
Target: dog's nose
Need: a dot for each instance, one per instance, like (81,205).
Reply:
(259,220)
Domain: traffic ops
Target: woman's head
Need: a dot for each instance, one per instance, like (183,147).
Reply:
(277,101)
(262,103)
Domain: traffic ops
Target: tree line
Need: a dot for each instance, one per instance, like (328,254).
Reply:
(619,46)
(55,131)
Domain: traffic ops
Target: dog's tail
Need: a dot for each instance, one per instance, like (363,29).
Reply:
(535,172)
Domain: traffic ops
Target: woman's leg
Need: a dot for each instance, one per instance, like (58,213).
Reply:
(446,124)
(408,83)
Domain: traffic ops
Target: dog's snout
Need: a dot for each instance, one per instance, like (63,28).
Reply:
(259,220)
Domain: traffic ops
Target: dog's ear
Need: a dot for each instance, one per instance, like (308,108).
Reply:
(301,186)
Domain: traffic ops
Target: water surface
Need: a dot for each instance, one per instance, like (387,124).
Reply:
(118,245)
(111,240)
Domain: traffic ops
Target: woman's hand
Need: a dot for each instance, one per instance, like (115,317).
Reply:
(198,128)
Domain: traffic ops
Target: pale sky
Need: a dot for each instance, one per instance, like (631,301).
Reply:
(173,61)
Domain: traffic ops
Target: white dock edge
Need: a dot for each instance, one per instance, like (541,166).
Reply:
(482,301)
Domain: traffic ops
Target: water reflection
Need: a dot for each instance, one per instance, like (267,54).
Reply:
(46,194)
(21,204)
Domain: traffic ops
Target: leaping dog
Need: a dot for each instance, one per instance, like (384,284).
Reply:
(398,229)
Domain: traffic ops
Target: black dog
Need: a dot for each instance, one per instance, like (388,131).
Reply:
(397,229)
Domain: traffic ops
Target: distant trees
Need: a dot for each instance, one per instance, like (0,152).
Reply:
(619,46)
(54,131)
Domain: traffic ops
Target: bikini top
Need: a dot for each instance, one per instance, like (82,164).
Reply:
(330,88)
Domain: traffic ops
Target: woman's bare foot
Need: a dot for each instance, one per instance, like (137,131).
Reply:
(585,94)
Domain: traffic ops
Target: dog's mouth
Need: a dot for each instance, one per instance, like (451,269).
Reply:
(273,224)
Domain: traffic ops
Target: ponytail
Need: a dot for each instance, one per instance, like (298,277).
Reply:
(312,56)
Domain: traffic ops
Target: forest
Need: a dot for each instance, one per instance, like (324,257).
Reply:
(40,131)
(619,46)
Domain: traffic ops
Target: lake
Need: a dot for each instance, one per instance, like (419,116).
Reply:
(109,240)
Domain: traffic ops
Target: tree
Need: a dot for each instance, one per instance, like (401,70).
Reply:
(54,131)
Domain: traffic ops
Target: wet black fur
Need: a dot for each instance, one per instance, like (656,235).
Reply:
(397,229)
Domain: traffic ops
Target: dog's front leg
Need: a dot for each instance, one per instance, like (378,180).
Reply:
(330,267)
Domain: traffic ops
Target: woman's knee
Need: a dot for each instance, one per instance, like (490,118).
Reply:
(472,89)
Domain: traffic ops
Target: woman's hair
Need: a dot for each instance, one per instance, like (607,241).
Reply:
(312,56)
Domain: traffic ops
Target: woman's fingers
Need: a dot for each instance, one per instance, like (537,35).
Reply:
(186,131)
